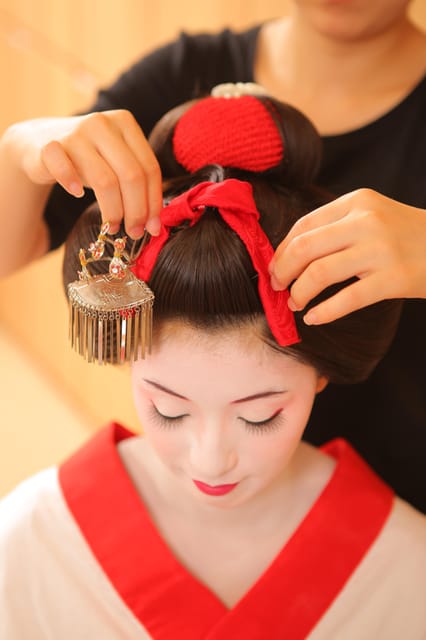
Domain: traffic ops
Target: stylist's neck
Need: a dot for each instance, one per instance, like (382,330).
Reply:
(341,53)
(340,76)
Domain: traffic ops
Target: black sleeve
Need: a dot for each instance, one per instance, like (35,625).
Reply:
(184,69)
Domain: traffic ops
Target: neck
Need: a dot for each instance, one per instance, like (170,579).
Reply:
(323,58)
(340,80)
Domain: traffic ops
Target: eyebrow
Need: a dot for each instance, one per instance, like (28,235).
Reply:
(165,389)
(255,396)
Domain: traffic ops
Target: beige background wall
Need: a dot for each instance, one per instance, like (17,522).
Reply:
(53,57)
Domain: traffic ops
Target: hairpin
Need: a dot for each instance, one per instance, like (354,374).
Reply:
(238,89)
(110,313)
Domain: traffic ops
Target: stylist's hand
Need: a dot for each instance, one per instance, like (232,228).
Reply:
(363,234)
(105,151)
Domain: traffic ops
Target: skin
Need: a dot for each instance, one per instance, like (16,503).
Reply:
(105,151)
(361,57)
(368,56)
(212,390)
(206,378)
(363,234)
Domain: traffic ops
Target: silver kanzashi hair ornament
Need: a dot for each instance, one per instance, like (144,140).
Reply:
(110,313)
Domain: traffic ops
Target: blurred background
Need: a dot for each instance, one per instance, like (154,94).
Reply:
(53,58)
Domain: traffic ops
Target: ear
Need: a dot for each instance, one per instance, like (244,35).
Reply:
(322,382)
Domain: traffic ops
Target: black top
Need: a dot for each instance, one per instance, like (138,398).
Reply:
(385,417)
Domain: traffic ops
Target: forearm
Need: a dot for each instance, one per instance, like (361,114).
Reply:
(25,235)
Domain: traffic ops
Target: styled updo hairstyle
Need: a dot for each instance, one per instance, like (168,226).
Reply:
(203,274)
(263,136)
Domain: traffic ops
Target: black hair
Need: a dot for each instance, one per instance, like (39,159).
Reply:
(204,275)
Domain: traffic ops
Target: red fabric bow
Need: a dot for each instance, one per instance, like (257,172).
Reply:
(235,203)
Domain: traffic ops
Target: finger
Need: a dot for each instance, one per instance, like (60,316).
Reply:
(352,298)
(155,200)
(137,169)
(309,247)
(329,270)
(99,176)
(137,142)
(108,138)
(133,189)
(337,209)
(60,167)
(320,217)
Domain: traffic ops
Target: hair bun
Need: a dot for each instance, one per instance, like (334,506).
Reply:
(242,131)
(232,132)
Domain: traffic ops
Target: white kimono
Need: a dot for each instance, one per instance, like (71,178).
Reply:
(80,558)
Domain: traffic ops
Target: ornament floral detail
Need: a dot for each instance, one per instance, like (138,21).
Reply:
(97,249)
(237,89)
(117,268)
(117,264)
(83,274)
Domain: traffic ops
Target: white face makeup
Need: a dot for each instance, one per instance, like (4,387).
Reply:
(223,413)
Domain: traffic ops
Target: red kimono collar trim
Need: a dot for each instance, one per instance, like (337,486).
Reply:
(289,598)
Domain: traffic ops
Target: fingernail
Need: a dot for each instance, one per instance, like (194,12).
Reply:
(136,232)
(275,284)
(310,318)
(153,226)
(113,229)
(76,189)
(291,304)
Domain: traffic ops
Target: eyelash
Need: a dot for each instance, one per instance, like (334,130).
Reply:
(166,422)
(264,426)
(270,424)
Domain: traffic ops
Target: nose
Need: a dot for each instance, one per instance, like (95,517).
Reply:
(213,455)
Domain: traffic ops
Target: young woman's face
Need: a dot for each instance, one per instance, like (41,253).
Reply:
(224,413)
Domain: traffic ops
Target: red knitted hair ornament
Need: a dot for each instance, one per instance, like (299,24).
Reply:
(235,203)
(232,132)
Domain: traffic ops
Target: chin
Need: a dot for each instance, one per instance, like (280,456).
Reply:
(349,21)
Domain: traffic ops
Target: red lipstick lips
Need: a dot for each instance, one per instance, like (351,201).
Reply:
(218,490)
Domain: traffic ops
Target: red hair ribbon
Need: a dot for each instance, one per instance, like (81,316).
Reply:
(235,203)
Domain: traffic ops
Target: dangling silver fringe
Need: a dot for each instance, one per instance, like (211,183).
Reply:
(110,320)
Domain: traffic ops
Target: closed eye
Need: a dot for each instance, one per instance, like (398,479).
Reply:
(164,420)
(272,422)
